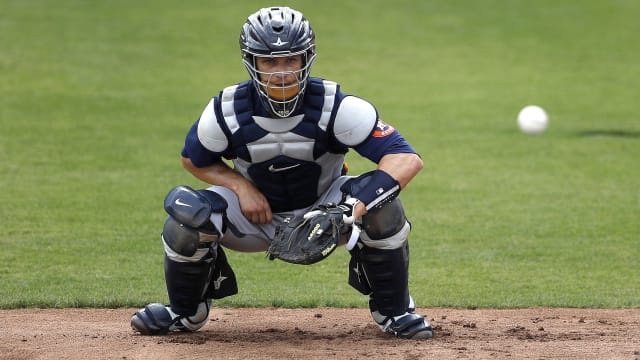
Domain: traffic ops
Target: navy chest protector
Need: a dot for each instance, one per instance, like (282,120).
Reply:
(292,167)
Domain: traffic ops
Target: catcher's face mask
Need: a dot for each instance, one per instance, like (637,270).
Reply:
(280,80)
(281,35)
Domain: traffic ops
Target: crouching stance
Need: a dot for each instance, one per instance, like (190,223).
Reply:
(197,271)
(273,149)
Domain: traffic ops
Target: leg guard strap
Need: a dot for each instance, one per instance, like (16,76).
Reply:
(223,281)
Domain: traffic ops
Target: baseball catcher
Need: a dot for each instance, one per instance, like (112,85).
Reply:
(273,150)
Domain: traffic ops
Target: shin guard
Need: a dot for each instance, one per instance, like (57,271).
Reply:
(387,274)
(187,282)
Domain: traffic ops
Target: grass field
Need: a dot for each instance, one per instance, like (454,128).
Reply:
(96,97)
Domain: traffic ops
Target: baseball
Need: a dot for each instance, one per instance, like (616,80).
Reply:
(533,120)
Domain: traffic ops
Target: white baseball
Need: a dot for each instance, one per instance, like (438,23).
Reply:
(533,120)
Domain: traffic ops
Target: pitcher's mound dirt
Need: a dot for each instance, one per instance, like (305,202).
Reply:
(323,333)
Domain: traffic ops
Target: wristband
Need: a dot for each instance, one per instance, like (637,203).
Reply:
(374,188)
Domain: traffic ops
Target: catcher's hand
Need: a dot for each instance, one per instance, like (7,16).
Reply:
(310,238)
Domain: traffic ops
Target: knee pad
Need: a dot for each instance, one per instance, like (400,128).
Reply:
(191,207)
(385,227)
(189,226)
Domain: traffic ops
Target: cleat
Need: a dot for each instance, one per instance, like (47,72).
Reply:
(155,319)
(406,326)
(158,319)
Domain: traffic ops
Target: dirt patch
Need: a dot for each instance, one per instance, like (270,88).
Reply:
(324,333)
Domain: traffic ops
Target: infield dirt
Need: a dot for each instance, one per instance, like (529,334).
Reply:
(325,333)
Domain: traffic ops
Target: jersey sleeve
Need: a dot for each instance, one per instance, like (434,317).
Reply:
(383,140)
(205,142)
(358,126)
(196,152)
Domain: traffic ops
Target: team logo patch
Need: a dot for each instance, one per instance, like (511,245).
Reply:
(382,129)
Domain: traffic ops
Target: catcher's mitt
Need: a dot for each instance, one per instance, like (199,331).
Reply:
(310,238)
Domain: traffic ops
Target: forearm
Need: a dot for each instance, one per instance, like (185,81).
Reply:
(402,167)
(253,203)
(217,174)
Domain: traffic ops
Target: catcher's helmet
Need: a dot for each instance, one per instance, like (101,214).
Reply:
(278,32)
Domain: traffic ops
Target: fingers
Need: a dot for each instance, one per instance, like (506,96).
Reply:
(257,210)
(254,205)
(259,218)
(262,216)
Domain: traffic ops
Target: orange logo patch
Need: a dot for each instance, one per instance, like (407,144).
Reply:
(382,129)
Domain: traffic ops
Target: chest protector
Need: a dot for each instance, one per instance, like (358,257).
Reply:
(292,161)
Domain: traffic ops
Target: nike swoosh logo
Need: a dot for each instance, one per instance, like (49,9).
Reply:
(275,169)
(178,202)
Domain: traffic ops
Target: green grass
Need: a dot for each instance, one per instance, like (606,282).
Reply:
(95,99)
